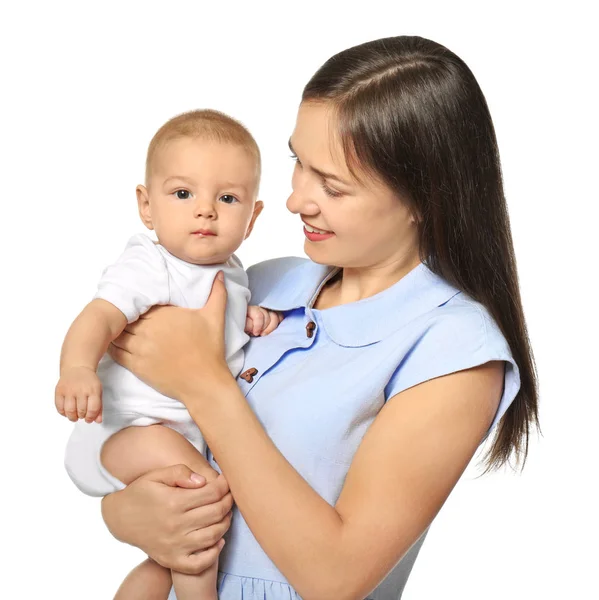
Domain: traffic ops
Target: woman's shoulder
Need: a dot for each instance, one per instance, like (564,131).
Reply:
(465,322)
(460,319)
(458,335)
(461,330)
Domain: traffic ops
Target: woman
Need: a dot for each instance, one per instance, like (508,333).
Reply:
(403,345)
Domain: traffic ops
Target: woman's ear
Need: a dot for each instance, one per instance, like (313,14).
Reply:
(257,210)
(143,205)
(415,218)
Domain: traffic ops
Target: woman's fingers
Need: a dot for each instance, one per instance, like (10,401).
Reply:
(217,301)
(206,537)
(212,493)
(124,341)
(176,476)
(196,563)
(209,514)
(120,350)
(119,356)
(166,521)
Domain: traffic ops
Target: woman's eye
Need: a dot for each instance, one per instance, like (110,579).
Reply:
(330,192)
(228,199)
(296,159)
(183,194)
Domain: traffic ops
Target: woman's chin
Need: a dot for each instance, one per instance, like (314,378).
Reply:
(315,254)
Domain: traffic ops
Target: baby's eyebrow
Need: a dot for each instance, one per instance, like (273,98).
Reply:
(231,184)
(180,178)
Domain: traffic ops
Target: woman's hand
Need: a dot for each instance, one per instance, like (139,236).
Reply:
(178,351)
(179,528)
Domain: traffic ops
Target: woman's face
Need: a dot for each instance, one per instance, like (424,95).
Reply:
(366,225)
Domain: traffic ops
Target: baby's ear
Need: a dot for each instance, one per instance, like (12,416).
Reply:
(143,205)
(257,210)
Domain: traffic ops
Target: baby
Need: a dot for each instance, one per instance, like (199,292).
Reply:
(202,178)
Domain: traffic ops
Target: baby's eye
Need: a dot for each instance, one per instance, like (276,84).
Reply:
(183,194)
(228,199)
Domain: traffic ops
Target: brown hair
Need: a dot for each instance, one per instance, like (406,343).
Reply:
(411,113)
(207,124)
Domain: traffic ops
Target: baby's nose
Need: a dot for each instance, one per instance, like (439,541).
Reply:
(204,208)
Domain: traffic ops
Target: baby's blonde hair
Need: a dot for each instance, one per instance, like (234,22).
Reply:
(207,124)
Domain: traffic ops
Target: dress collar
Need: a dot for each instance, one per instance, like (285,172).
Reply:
(366,321)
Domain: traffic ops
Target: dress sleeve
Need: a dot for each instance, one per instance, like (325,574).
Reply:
(457,338)
(137,281)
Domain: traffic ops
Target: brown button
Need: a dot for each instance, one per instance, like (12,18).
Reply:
(249,374)
(310,327)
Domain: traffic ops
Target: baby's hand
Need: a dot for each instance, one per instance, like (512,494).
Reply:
(78,395)
(261,321)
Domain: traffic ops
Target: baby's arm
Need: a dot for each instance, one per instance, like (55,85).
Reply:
(261,321)
(78,392)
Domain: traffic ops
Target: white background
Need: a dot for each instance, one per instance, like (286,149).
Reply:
(84,87)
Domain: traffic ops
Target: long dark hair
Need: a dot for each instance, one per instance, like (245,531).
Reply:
(411,113)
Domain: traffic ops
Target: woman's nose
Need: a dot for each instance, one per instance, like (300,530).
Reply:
(298,203)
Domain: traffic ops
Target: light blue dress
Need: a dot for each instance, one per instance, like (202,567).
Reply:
(321,378)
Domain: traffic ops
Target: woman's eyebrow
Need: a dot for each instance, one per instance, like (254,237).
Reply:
(322,174)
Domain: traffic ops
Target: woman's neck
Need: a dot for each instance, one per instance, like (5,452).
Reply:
(352,285)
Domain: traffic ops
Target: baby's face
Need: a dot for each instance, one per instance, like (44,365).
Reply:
(201,199)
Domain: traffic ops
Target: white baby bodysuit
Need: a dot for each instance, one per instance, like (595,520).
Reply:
(145,275)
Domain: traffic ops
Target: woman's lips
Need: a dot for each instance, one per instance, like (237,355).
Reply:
(317,237)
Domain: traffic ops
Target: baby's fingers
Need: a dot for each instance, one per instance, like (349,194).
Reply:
(59,403)
(94,406)
(249,325)
(274,319)
(256,320)
(70,408)
(81,405)
(261,321)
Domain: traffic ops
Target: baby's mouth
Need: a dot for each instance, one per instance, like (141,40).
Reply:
(203,233)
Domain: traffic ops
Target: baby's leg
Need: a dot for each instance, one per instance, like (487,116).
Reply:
(133,451)
(148,581)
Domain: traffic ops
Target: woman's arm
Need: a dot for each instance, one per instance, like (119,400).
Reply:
(409,461)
